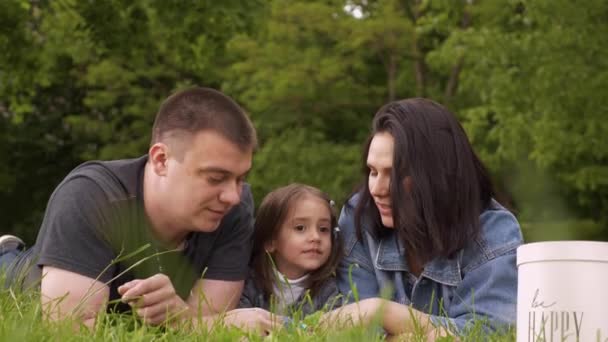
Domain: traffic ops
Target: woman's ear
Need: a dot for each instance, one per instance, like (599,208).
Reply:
(407,182)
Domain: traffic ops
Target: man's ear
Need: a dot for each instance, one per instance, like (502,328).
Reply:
(158,155)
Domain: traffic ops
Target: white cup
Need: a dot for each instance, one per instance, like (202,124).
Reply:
(562,291)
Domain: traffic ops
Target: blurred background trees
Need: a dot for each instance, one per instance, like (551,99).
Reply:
(82,80)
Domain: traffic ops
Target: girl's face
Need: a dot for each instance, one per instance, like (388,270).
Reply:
(303,243)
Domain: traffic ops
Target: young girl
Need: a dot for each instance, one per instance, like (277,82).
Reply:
(296,249)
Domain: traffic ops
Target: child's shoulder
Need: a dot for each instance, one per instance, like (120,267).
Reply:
(328,294)
(252,295)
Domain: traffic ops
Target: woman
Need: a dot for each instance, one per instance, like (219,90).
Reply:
(424,227)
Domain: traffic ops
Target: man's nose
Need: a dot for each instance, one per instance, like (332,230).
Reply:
(231,194)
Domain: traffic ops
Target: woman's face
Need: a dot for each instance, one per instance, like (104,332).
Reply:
(380,163)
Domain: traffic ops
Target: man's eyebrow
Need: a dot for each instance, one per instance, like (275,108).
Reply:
(215,169)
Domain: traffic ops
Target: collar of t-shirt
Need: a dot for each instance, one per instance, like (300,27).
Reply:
(287,291)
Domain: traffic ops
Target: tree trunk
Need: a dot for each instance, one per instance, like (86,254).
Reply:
(452,85)
(419,64)
(391,70)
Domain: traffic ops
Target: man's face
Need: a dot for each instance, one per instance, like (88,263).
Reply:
(206,183)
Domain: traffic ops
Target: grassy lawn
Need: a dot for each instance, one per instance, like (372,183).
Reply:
(20,321)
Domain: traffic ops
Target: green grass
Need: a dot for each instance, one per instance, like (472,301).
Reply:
(20,320)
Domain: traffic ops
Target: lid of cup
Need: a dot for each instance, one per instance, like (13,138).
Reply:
(562,251)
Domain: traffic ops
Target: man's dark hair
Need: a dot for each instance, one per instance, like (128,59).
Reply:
(198,109)
(450,187)
(271,215)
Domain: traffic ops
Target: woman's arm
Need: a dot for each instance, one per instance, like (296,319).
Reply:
(395,318)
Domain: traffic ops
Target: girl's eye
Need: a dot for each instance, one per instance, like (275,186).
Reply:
(299,227)
(373,173)
(324,229)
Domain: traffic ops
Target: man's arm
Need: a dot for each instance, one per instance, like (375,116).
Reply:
(215,299)
(75,261)
(211,296)
(154,299)
(64,293)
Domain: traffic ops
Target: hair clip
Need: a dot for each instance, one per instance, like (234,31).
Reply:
(335,232)
(332,203)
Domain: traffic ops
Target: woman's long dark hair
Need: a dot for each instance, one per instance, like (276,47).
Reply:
(450,187)
(270,217)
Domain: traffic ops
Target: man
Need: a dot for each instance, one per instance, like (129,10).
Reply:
(167,234)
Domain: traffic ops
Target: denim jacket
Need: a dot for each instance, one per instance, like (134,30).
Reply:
(327,298)
(479,284)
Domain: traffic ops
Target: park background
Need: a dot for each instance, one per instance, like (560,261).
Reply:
(528,80)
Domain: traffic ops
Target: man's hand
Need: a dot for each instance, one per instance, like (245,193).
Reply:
(154,299)
(253,319)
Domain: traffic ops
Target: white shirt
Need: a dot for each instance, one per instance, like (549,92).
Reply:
(287,291)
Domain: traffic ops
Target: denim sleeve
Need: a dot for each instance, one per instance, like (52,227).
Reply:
(355,274)
(487,295)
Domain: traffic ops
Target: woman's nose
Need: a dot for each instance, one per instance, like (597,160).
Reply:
(380,186)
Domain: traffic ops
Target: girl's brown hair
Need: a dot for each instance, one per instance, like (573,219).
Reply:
(270,217)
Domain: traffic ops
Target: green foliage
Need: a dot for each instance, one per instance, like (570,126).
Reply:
(83,79)
(305,157)
(534,85)
(297,70)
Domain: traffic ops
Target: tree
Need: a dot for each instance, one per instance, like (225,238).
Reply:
(533,94)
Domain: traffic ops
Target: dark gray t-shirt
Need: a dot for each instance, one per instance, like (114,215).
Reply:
(94,225)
